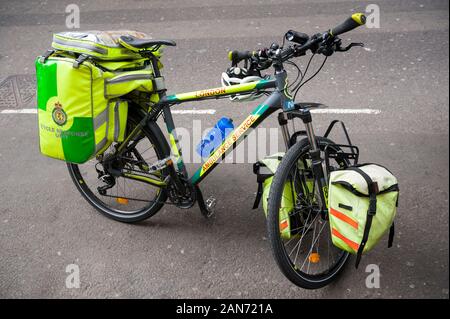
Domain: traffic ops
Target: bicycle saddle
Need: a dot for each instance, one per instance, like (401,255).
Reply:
(136,44)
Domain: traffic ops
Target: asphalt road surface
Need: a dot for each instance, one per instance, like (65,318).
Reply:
(402,72)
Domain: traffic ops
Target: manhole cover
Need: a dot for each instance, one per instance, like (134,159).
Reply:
(17,91)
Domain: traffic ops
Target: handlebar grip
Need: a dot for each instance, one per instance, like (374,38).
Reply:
(356,20)
(237,56)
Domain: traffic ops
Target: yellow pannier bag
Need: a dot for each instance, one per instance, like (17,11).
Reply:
(125,82)
(362,204)
(117,120)
(265,170)
(103,45)
(76,121)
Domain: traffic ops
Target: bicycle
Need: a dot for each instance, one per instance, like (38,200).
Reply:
(120,172)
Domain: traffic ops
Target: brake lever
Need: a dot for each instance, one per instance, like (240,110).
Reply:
(348,47)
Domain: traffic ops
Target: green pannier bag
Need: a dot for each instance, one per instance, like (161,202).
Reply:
(265,170)
(76,121)
(362,204)
(79,87)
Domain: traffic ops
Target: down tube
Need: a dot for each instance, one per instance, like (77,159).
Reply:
(259,114)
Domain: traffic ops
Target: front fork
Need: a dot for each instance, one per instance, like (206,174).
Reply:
(320,179)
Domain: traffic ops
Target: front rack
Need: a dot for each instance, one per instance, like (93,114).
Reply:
(348,152)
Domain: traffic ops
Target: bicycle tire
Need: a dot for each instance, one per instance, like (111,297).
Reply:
(274,201)
(153,133)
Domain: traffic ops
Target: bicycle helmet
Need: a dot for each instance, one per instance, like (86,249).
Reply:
(236,75)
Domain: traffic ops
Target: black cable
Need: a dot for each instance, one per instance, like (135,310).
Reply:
(299,73)
(304,73)
(320,68)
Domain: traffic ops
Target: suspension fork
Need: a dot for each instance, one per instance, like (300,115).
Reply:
(283,121)
(316,161)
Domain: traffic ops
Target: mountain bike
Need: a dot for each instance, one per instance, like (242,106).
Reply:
(133,179)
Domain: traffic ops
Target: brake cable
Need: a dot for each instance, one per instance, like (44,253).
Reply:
(304,73)
(299,73)
(310,78)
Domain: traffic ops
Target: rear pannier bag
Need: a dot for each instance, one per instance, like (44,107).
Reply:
(140,80)
(265,170)
(75,119)
(362,204)
(102,45)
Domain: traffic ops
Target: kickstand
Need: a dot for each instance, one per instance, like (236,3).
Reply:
(206,208)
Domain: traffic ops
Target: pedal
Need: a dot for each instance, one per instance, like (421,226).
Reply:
(206,206)
(210,204)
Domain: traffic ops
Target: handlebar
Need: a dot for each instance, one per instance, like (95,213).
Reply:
(237,56)
(303,43)
(356,20)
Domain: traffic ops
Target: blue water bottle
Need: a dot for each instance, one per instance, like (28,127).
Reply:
(214,138)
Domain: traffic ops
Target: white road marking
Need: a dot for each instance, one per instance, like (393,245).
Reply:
(21,111)
(34,111)
(346,111)
(212,111)
(207,111)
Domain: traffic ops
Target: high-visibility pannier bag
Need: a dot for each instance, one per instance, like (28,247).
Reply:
(265,170)
(103,45)
(362,204)
(140,80)
(75,119)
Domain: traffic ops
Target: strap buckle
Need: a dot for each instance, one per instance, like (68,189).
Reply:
(79,60)
(46,55)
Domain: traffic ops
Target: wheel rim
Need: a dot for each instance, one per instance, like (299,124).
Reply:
(309,250)
(128,198)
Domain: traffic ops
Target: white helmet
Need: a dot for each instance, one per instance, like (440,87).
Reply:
(236,75)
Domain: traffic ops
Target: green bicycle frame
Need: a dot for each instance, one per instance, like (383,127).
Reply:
(261,112)
(279,99)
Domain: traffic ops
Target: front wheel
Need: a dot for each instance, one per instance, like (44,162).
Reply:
(304,252)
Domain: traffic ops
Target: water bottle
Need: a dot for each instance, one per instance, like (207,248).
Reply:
(214,138)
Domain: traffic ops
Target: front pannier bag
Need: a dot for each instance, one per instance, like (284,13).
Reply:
(362,204)
(265,170)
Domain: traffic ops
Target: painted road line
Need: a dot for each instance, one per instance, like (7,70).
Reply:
(207,111)
(20,111)
(34,111)
(346,111)
(212,111)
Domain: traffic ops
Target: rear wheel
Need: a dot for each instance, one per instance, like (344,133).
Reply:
(128,200)
(307,257)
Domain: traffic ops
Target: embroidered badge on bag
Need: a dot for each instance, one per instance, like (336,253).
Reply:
(58,114)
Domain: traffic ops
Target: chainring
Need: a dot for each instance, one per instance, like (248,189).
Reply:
(183,201)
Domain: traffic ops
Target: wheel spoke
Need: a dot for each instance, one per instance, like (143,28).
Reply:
(309,250)
(137,197)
